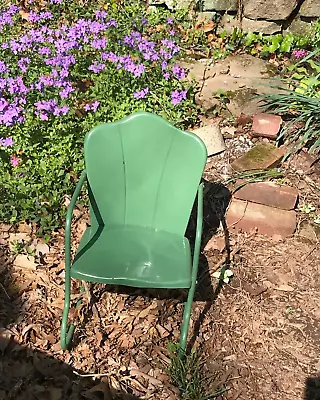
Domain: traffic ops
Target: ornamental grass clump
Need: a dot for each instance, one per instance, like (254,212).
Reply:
(66,66)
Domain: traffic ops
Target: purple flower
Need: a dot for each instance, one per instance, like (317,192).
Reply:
(6,142)
(96,67)
(10,113)
(177,97)
(166,75)
(144,21)
(99,43)
(45,15)
(43,116)
(56,1)
(66,91)
(33,17)
(170,21)
(139,70)
(13,9)
(3,68)
(94,106)
(44,51)
(141,93)
(112,57)
(58,111)
(299,53)
(23,63)
(100,14)
(172,32)
(170,44)
(178,72)
(112,22)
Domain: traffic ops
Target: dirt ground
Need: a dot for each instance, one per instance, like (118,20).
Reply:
(258,336)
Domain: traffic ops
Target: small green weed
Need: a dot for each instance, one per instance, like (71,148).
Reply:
(185,373)
(19,247)
(254,176)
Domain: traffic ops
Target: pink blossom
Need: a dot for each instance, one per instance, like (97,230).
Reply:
(299,53)
(14,161)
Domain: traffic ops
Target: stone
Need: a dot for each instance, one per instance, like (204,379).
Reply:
(243,216)
(178,4)
(310,8)
(171,4)
(227,24)
(262,9)
(42,249)
(24,261)
(257,76)
(308,232)
(266,125)
(261,156)
(299,27)
(220,5)
(212,137)
(205,16)
(305,162)
(267,27)
(269,194)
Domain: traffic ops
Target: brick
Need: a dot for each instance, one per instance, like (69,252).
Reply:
(247,217)
(269,194)
(266,125)
(261,156)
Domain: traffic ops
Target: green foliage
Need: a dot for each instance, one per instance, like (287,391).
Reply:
(185,373)
(50,151)
(304,128)
(263,45)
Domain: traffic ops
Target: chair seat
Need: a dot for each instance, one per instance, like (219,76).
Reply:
(133,256)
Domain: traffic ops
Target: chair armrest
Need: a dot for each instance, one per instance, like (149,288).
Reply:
(71,206)
(197,244)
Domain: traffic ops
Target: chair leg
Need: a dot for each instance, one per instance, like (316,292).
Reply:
(66,334)
(185,322)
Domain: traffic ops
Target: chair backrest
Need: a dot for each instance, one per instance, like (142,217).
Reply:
(142,171)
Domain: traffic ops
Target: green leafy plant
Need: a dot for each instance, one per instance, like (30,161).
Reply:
(307,208)
(316,219)
(263,45)
(66,66)
(299,103)
(303,109)
(223,274)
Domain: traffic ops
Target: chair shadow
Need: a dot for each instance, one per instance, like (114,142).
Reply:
(216,200)
(30,374)
(217,197)
(312,388)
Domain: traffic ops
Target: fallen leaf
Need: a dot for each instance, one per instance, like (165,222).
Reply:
(146,311)
(208,27)
(285,288)
(24,15)
(216,243)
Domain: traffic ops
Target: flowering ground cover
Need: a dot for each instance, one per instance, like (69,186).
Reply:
(64,68)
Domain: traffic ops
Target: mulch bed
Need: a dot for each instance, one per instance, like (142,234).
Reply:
(258,336)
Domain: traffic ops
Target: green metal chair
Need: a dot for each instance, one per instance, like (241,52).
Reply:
(142,175)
